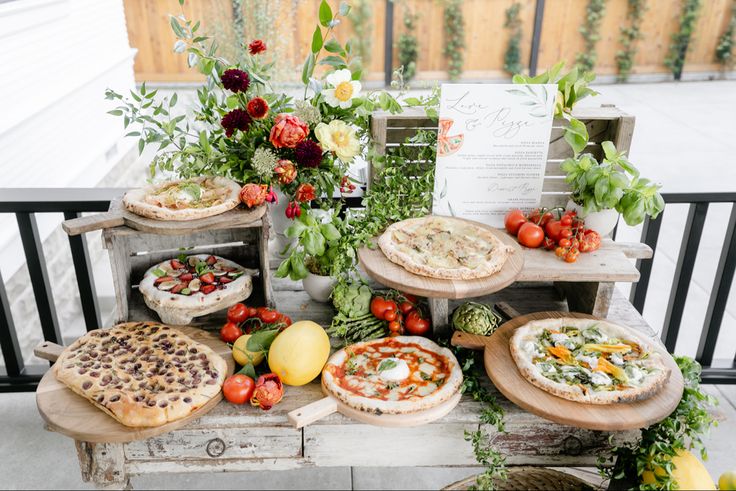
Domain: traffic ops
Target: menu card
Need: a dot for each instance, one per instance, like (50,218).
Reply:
(491,149)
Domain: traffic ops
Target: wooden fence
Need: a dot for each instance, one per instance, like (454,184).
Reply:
(485,37)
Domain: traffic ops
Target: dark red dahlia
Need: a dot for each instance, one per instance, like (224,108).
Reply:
(308,153)
(258,108)
(235,80)
(237,119)
(256,47)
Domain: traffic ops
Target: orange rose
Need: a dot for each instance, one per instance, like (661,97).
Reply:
(286,171)
(253,194)
(287,131)
(305,192)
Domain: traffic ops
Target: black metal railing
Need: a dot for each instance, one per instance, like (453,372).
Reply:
(25,203)
(698,204)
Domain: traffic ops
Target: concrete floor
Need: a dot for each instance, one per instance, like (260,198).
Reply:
(685,137)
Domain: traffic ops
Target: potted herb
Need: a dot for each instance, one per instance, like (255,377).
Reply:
(602,190)
(313,253)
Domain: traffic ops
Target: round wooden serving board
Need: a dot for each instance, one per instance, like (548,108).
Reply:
(502,370)
(388,273)
(72,415)
(330,404)
(119,216)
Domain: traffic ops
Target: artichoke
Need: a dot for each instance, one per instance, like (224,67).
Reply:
(352,299)
(475,318)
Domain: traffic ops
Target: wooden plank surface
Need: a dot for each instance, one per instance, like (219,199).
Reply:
(72,415)
(508,379)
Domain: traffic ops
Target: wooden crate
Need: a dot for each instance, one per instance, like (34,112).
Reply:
(604,123)
(133,252)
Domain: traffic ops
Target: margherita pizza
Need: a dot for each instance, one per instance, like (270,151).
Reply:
(187,199)
(191,286)
(142,374)
(396,375)
(587,360)
(444,247)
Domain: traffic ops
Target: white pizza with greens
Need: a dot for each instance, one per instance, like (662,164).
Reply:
(588,360)
(184,287)
(186,199)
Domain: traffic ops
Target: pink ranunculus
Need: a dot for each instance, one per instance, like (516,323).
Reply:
(287,131)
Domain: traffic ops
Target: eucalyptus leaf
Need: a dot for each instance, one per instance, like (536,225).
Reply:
(325,13)
(317,40)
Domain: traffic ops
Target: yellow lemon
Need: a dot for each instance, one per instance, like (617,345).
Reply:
(298,354)
(727,481)
(689,473)
(241,353)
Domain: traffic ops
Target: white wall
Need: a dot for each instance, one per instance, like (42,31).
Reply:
(57,57)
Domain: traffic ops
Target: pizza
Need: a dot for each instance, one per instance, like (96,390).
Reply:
(181,288)
(398,375)
(588,360)
(185,199)
(142,373)
(444,247)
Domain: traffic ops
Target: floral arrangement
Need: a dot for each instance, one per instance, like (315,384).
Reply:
(244,130)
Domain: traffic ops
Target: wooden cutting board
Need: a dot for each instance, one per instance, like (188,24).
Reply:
(330,404)
(388,273)
(119,216)
(501,369)
(72,415)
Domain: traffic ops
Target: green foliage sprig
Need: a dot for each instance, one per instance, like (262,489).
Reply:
(454,37)
(630,34)
(675,59)
(724,49)
(361,16)
(683,429)
(590,31)
(408,45)
(512,57)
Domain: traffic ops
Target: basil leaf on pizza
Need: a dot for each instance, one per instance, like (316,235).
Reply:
(588,361)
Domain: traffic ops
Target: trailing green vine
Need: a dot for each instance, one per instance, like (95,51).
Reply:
(512,57)
(454,37)
(630,34)
(590,31)
(675,59)
(724,50)
(408,45)
(361,16)
(658,444)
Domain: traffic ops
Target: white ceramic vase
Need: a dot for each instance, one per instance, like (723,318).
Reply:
(319,288)
(279,221)
(603,221)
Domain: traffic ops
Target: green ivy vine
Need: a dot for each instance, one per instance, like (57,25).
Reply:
(630,34)
(454,37)
(724,50)
(512,57)
(590,31)
(675,59)
(361,16)
(408,45)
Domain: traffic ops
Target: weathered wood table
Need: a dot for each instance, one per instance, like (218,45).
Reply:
(236,438)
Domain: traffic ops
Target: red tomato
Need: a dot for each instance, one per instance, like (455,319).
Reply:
(230,332)
(238,388)
(513,221)
(410,298)
(389,315)
(531,235)
(286,320)
(406,307)
(566,220)
(207,278)
(549,244)
(540,219)
(552,230)
(252,312)
(565,233)
(590,241)
(237,313)
(380,305)
(565,243)
(415,324)
(268,316)
(394,326)
(572,256)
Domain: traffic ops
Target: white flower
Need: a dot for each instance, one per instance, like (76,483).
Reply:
(344,89)
(264,162)
(340,138)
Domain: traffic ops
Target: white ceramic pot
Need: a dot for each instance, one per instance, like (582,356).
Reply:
(319,288)
(280,221)
(603,221)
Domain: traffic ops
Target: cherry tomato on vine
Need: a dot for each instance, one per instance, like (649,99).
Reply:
(268,316)
(572,255)
(560,252)
(380,305)
(230,332)
(565,233)
(531,235)
(389,315)
(394,326)
(564,243)
(566,220)
(237,313)
(406,307)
